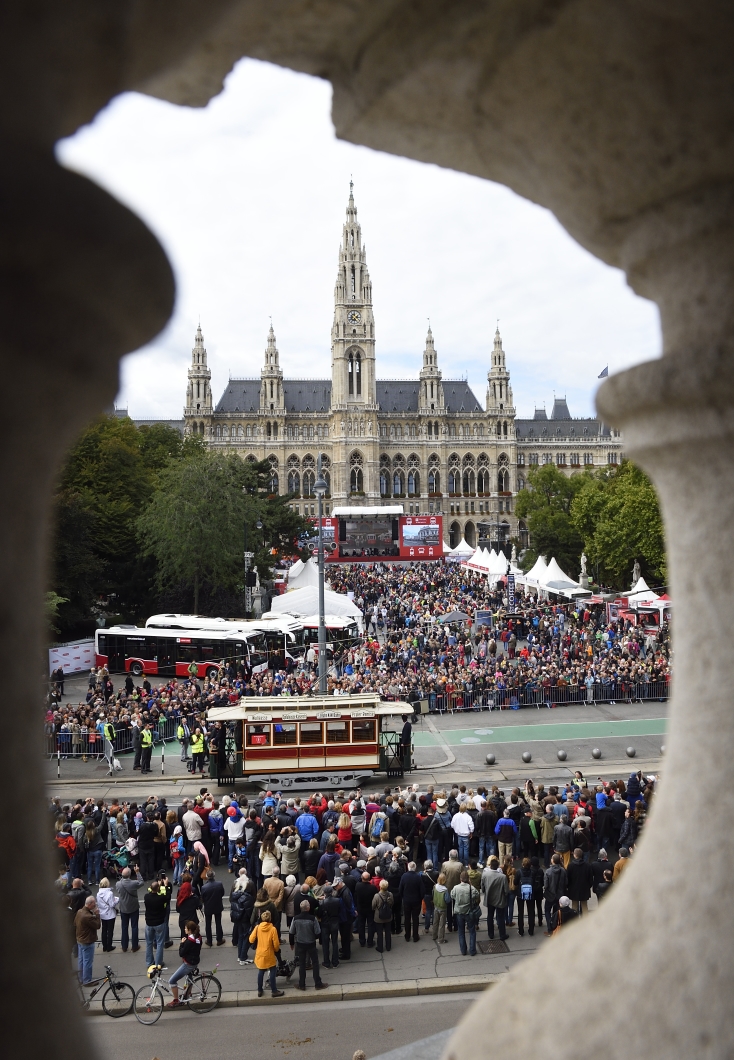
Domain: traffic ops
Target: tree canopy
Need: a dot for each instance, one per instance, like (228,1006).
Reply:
(194,524)
(612,514)
(129,497)
(546,508)
(617,514)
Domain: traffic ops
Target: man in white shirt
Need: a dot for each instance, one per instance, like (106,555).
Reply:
(463,826)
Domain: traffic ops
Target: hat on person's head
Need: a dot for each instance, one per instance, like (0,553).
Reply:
(343,867)
(178,830)
(564,902)
(440,803)
(361,864)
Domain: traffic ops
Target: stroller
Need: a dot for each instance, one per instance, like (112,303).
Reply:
(114,861)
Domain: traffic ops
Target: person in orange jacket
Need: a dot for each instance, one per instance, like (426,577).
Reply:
(265,938)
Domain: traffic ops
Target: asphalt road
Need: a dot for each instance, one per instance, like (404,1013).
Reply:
(304,1031)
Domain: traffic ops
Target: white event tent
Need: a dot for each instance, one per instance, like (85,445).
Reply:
(305,602)
(642,592)
(302,574)
(462,551)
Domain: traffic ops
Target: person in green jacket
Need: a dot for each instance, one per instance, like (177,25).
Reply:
(440,906)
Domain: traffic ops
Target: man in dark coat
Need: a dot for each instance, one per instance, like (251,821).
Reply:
(580,881)
(410,889)
(212,897)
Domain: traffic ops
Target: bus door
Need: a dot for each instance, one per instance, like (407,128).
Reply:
(167,656)
(114,648)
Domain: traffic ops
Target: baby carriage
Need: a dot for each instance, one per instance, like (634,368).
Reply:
(114,861)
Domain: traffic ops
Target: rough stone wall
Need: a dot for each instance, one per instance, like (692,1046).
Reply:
(618,117)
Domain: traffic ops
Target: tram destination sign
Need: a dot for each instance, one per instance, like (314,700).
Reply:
(329,715)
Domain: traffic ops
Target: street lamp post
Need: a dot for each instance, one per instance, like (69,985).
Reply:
(320,488)
(249,557)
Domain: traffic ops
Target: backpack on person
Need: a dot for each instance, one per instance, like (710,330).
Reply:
(384,911)
(526,891)
(377,826)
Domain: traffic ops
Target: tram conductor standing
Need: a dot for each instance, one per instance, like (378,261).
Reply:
(406,739)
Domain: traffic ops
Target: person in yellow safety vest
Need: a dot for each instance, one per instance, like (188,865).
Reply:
(197,751)
(109,731)
(193,669)
(146,744)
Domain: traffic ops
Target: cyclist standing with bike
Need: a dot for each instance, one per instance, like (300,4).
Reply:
(190,953)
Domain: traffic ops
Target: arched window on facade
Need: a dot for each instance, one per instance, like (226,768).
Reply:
(434,481)
(294,482)
(356,477)
(397,483)
(468,481)
(308,483)
(384,482)
(413,483)
(503,480)
(274,483)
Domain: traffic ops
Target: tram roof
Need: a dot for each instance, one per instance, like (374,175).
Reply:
(305,706)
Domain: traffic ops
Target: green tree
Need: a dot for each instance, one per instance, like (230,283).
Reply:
(617,514)
(193,526)
(545,505)
(109,477)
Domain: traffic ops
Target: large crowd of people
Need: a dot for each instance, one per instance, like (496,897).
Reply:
(327,868)
(540,653)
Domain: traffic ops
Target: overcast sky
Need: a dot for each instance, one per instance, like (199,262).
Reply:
(248,197)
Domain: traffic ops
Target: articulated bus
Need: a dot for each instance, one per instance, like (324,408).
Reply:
(282,633)
(170,652)
(310,741)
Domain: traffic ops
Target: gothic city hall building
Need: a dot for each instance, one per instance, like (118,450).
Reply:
(425,443)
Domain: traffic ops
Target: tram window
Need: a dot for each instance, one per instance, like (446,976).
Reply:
(258,735)
(363,731)
(336,732)
(284,734)
(311,732)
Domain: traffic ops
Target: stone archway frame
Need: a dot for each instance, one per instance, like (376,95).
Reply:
(617,117)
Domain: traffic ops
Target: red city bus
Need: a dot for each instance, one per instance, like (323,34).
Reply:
(170,652)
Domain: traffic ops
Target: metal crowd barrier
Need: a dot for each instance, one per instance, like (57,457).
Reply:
(551,696)
(92,744)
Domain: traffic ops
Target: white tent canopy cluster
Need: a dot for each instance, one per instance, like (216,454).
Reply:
(544,578)
(303,603)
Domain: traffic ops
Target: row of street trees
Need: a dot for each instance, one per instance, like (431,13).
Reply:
(611,514)
(148,520)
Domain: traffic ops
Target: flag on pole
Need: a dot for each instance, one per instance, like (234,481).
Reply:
(604,373)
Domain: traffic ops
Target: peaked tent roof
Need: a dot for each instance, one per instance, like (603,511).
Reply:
(462,549)
(537,572)
(555,580)
(642,591)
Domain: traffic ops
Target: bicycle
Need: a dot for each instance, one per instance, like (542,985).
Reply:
(202,991)
(117,1000)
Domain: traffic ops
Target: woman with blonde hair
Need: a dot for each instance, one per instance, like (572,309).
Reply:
(267,946)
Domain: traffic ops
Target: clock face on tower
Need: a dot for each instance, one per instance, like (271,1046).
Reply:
(354,316)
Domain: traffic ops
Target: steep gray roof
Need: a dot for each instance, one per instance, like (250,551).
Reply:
(314,395)
(560,410)
(401,395)
(178,425)
(548,430)
(300,395)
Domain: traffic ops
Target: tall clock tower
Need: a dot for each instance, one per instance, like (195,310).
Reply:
(353,331)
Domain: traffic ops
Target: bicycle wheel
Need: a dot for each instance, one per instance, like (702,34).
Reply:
(205,993)
(148,1003)
(118,999)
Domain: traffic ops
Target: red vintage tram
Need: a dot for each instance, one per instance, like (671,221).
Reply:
(328,741)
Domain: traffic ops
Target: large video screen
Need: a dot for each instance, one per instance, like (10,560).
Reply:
(355,538)
(421,537)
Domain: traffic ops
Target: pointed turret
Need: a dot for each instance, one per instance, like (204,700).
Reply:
(499,392)
(431,390)
(271,377)
(353,331)
(198,391)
